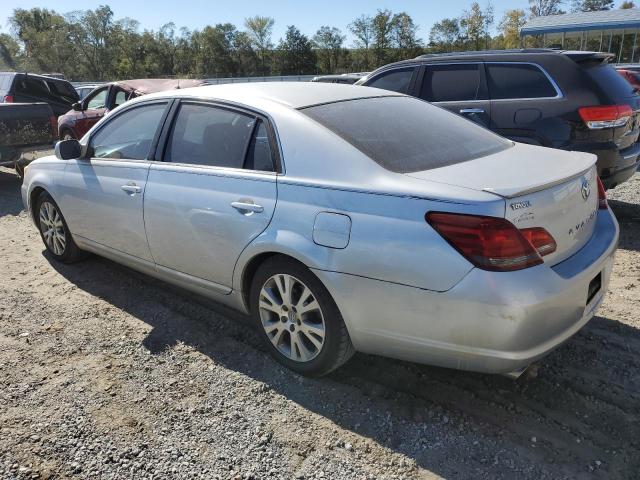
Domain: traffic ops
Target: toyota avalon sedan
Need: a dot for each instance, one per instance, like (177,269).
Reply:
(342,219)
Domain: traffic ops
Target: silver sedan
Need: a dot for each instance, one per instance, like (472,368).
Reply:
(342,219)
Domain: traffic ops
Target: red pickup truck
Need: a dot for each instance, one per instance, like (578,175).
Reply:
(87,112)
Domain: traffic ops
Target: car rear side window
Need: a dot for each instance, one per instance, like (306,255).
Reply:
(404,134)
(33,87)
(518,80)
(259,155)
(451,83)
(207,135)
(129,134)
(395,80)
(611,82)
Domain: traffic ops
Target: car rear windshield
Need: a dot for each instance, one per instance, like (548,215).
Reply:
(611,82)
(404,134)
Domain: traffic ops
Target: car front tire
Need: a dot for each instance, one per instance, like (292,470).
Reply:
(54,230)
(297,319)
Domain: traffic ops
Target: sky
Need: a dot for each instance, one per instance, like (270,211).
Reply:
(307,15)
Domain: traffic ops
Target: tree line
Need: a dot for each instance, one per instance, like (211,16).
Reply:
(94,45)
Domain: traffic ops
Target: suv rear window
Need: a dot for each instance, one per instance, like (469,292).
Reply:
(5,81)
(518,80)
(611,82)
(404,134)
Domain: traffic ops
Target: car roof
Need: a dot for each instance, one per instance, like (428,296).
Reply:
(290,94)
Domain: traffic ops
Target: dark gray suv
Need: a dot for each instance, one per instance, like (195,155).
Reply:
(561,99)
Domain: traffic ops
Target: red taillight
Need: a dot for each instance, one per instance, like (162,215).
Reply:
(602,196)
(605,116)
(8,99)
(541,240)
(54,125)
(489,243)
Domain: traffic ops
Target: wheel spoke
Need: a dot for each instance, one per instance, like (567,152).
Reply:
(312,330)
(283,282)
(301,351)
(309,307)
(277,337)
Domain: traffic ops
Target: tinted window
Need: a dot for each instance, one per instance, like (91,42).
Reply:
(63,90)
(611,82)
(405,134)
(97,99)
(129,135)
(444,83)
(518,81)
(204,135)
(394,80)
(259,154)
(33,87)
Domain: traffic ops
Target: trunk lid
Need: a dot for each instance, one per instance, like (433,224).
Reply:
(542,187)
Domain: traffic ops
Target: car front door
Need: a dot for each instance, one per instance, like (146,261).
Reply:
(458,87)
(212,194)
(103,193)
(94,107)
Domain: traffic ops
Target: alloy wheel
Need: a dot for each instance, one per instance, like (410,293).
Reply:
(52,228)
(291,317)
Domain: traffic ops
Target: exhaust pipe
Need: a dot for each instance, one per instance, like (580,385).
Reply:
(531,371)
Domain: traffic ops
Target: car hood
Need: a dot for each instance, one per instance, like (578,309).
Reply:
(514,171)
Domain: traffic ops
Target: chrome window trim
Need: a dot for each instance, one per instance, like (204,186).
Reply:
(556,87)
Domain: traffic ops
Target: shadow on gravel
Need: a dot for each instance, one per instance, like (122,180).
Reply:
(628,215)
(582,408)
(10,200)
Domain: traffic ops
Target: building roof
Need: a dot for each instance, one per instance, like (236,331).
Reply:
(290,94)
(568,22)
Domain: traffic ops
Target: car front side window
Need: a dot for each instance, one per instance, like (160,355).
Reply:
(97,99)
(128,135)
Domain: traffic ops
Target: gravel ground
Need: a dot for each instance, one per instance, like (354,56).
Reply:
(106,373)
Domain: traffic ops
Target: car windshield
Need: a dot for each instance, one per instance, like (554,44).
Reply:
(404,134)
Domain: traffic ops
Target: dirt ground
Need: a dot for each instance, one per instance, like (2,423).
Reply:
(106,373)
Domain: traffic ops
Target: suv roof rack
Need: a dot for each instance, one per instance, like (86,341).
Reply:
(490,52)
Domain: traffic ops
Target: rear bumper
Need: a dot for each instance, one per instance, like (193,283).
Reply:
(489,322)
(617,166)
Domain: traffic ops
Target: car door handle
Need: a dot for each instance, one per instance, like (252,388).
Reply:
(247,207)
(472,110)
(131,188)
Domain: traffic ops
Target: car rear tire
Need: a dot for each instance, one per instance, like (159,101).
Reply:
(297,319)
(54,230)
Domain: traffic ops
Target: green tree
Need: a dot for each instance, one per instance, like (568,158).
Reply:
(591,5)
(509,27)
(382,24)
(475,24)
(445,35)
(405,36)
(362,30)
(260,30)
(296,53)
(543,8)
(328,42)
(9,52)
(627,4)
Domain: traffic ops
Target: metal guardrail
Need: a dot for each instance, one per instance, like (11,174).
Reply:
(218,81)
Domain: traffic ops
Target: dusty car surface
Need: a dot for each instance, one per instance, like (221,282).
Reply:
(341,218)
(104,98)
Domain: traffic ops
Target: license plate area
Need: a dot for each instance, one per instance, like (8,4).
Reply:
(594,287)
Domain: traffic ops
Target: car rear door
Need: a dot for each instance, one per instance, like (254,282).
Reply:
(102,194)
(459,87)
(212,194)
(526,103)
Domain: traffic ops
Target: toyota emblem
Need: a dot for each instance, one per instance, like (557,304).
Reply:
(585,189)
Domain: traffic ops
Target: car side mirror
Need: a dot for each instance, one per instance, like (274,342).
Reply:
(68,149)
(77,106)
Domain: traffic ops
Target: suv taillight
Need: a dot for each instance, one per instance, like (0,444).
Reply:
(7,99)
(602,196)
(608,116)
(492,243)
